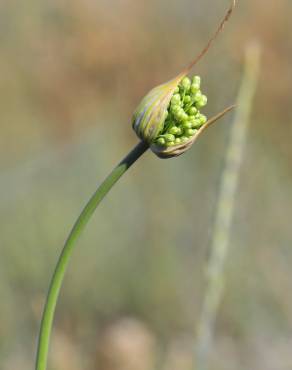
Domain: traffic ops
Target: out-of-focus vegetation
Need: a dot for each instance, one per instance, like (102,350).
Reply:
(71,74)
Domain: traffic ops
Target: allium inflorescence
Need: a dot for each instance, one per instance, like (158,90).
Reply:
(168,118)
(183,113)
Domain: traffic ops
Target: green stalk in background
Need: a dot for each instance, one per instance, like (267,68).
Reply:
(168,121)
(225,208)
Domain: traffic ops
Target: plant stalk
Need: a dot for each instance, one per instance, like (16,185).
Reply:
(60,269)
(221,235)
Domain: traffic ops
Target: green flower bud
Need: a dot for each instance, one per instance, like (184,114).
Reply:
(187,125)
(180,115)
(175,109)
(193,111)
(183,116)
(202,118)
(195,88)
(197,97)
(169,138)
(185,83)
(187,99)
(174,130)
(161,141)
(190,132)
(196,80)
(175,99)
(202,102)
(196,124)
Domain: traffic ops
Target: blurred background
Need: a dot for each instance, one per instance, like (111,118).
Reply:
(71,74)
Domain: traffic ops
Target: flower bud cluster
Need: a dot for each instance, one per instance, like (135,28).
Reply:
(183,118)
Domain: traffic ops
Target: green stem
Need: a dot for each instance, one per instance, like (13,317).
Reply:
(79,226)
